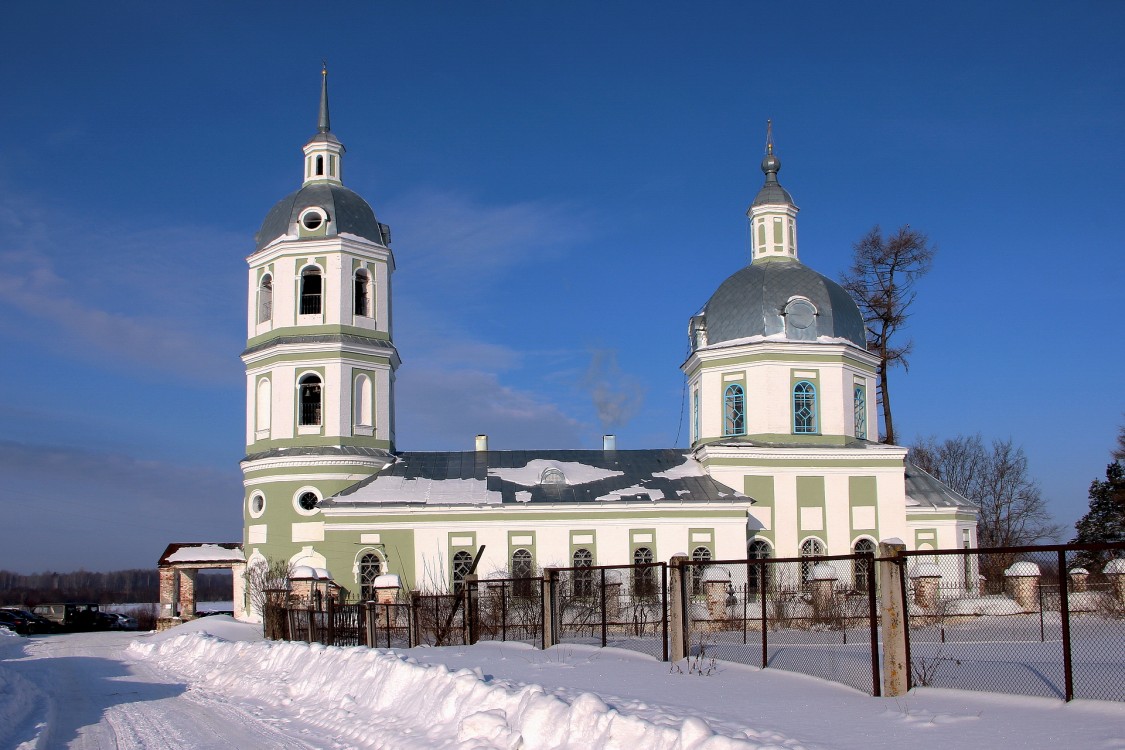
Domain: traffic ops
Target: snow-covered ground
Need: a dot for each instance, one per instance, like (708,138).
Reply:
(214,683)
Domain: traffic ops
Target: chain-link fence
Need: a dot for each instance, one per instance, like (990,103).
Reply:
(508,609)
(1047,620)
(625,606)
(814,615)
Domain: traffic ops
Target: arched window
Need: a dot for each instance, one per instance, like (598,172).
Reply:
(362,293)
(811,547)
(859,405)
(361,401)
(310,401)
(695,414)
(462,564)
(320,166)
(311,291)
(521,572)
(583,577)
(644,579)
(699,572)
(804,408)
(758,549)
(861,569)
(262,409)
(370,568)
(265,298)
(734,410)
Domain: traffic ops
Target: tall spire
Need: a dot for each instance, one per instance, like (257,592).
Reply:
(771,164)
(773,216)
(322,124)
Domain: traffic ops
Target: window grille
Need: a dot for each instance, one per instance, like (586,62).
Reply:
(860,412)
(810,548)
(311,292)
(758,549)
(804,408)
(644,579)
(734,410)
(370,568)
(699,572)
(862,568)
(462,564)
(522,572)
(583,579)
(310,401)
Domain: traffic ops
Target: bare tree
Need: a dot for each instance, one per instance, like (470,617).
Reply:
(881,280)
(1119,452)
(1013,512)
(267,583)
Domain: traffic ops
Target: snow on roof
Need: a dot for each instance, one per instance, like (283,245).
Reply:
(215,553)
(651,492)
(532,473)
(689,468)
(394,489)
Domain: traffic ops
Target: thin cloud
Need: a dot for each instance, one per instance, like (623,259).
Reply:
(617,396)
(120,298)
(449,234)
(71,508)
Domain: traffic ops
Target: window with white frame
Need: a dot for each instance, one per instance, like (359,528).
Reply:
(265,298)
(699,572)
(644,579)
(309,401)
(370,568)
(811,547)
(862,568)
(583,575)
(361,285)
(860,408)
(758,575)
(312,288)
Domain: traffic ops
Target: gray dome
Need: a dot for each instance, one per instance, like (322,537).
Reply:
(752,302)
(347,212)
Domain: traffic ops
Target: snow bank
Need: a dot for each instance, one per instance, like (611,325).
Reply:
(349,693)
(219,626)
(980,606)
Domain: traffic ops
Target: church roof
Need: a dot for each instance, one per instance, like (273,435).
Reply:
(531,477)
(348,213)
(923,488)
(751,302)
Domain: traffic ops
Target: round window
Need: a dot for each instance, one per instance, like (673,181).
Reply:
(257,504)
(312,220)
(307,501)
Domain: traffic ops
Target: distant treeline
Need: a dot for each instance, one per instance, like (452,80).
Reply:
(117,587)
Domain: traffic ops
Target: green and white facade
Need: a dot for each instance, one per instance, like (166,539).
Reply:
(784,457)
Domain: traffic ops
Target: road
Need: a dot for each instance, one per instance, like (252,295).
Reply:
(94,696)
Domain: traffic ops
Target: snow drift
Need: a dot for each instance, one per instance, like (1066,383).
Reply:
(354,694)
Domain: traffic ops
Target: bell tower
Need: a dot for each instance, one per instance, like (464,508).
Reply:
(320,358)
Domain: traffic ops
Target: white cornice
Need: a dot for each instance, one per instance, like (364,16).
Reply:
(586,510)
(287,246)
(876,452)
(328,352)
(781,349)
(315,461)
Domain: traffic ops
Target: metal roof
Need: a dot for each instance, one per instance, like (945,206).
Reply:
(515,477)
(321,338)
(751,302)
(347,213)
(923,488)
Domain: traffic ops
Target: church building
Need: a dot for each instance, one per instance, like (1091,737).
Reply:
(784,457)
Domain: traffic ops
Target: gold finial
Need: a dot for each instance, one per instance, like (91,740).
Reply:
(323,67)
(769,136)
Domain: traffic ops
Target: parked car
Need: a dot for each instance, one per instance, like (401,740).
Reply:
(14,622)
(118,621)
(35,623)
(73,616)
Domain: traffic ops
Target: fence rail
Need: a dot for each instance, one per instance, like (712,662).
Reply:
(1046,620)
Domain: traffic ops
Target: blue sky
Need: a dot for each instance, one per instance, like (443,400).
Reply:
(566,186)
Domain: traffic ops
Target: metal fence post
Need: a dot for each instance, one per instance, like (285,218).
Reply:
(893,613)
(664,609)
(547,597)
(677,608)
(369,616)
(330,613)
(312,624)
(1064,615)
(605,613)
(415,619)
(873,621)
(762,588)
